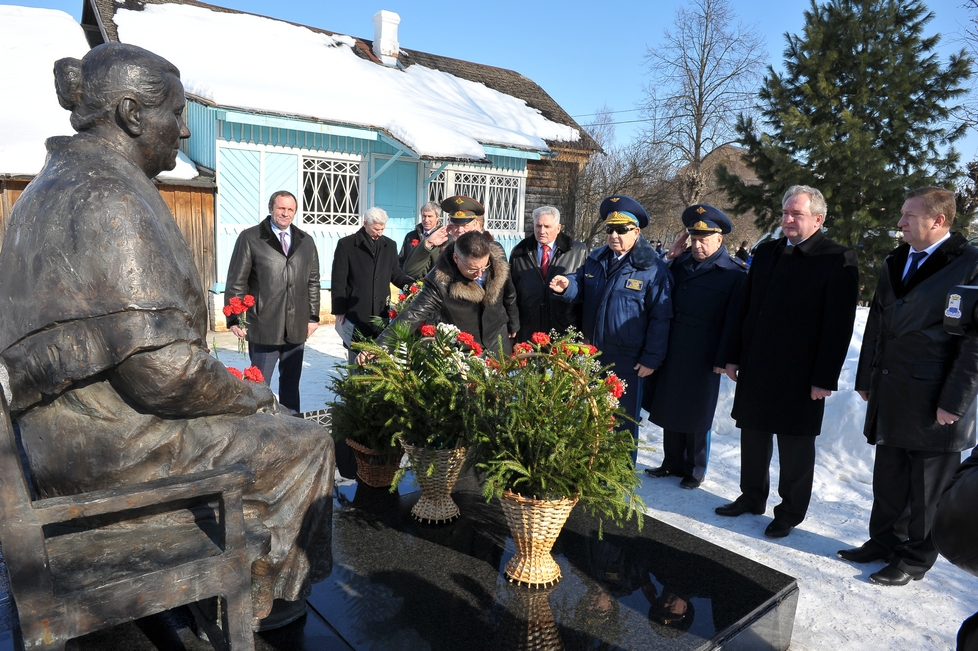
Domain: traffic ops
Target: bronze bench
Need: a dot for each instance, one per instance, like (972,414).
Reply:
(84,562)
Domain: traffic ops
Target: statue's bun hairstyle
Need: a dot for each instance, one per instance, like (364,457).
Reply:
(92,87)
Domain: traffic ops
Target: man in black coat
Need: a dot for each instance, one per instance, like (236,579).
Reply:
(682,397)
(799,306)
(278,265)
(364,267)
(430,216)
(921,384)
(533,264)
(955,535)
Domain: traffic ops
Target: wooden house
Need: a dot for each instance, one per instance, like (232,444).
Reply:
(338,165)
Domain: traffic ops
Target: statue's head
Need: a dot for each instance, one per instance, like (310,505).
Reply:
(127,95)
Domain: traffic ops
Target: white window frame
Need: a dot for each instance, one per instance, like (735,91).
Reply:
(451,181)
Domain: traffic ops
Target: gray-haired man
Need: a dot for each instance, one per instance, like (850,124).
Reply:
(533,264)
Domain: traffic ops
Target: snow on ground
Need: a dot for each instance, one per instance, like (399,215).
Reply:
(838,608)
(237,60)
(31,40)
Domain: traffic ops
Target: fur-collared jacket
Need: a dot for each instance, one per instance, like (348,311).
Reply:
(449,297)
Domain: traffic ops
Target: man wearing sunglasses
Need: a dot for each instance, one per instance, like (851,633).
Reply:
(626,290)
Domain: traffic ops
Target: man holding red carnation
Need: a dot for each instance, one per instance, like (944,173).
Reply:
(279,264)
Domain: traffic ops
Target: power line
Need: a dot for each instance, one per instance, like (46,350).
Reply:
(584,115)
(601,124)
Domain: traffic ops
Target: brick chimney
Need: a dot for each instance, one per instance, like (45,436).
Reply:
(385,37)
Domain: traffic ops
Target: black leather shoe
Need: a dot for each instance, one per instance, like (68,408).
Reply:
(778,529)
(892,575)
(735,508)
(661,471)
(690,482)
(865,553)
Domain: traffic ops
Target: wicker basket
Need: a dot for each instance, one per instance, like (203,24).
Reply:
(535,525)
(375,468)
(436,504)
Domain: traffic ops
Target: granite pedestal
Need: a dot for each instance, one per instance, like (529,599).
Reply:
(401,585)
(398,585)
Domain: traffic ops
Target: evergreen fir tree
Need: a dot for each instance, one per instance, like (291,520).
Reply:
(863,113)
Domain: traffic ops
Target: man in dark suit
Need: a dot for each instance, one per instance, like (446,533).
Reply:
(533,263)
(364,267)
(921,384)
(430,213)
(799,306)
(682,397)
(278,264)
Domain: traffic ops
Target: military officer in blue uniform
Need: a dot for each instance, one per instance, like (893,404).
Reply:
(682,396)
(625,289)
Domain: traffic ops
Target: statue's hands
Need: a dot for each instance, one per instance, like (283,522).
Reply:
(264,398)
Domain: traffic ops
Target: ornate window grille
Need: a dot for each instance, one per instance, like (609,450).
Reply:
(501,194)
(436,189)
(330,192)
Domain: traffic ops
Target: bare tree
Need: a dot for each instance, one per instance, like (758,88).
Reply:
(633,169)
(705,73)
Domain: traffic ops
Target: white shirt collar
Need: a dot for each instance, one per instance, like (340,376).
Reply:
(933,247)
(277,230)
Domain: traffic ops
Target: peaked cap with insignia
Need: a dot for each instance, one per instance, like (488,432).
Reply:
(703,219)
(461,209)
(619,209)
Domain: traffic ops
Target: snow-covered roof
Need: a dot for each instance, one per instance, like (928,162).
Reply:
(31,40)
(238,60)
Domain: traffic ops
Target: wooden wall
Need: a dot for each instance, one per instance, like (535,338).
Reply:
(9,192)
(192,207)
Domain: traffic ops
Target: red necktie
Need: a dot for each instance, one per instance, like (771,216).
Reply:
(545,260)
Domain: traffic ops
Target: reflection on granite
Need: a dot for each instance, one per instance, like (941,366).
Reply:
(398,584)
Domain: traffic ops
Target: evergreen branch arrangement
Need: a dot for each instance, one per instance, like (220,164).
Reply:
(546,428)
(415,388)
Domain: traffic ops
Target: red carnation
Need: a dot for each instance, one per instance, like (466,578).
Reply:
(492,363)
(235,302)
(401,297)
(248,300)
(522,348)
(414,242)
(465,338)
(617,388)
(540,338)
(427,331)
(235,372)
(592,350)
(392,314)
(414,289)
(476,348)
(253,373)
(228,311)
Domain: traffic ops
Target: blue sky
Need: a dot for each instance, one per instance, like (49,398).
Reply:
(586,54)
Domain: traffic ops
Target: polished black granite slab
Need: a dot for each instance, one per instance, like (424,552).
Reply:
(401,585)
(398,585)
